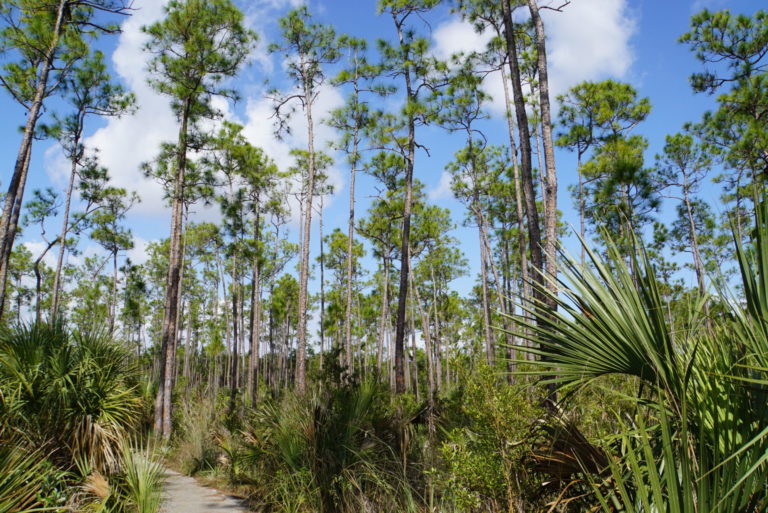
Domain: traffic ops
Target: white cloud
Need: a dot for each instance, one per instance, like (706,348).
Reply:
(260,131)
(125,143)
(588,40)
(56,166)
(138,255)
(458,36)
(443,188)
(36,247)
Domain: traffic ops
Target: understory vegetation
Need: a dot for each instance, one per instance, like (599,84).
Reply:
(654,413)
(70,424)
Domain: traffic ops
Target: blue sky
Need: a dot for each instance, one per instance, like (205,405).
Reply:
(634,41)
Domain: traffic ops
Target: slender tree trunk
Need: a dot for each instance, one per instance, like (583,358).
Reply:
(113,300)
(7,249)
(486,242)
(8,222)
(550,198)
(350,259)
(63,235)
(172,291)
(697,262)
(582,208)
(436,333)
(235,336)
(427,336)
(519,201)
(253,374)
(384,315)
(489,346)
(38,281)
(322,285)
(529,192)
(406,235)
(301,350)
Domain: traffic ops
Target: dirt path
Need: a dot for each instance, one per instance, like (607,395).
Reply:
(185,495)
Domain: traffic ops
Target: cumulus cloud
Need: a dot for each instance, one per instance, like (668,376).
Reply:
(125,143)
(443,188)
(588,40)
(36,247)
(259,129)
(138,254)
(456,36)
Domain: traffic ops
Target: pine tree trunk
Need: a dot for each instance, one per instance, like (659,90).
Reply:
(7,249)
(350,259)
(113,299)
(550,198)
(253,374)
(697,262)
(301,352)
(13,198)
(427,336)
(406,235)
(322,285)
(519,202)
(63,234)
(384,315)
(529,192)
(172,292)
(489,346)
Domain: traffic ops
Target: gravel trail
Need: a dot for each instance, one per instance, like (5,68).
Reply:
(185,495)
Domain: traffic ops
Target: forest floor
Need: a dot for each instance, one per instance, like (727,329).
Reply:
(184,494)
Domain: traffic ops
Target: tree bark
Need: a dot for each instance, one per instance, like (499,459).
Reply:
(697,262)
(38,280)
(322,285)
(253,374)
(529,192)
(9,222)
(350,257)
(550,198)
(64,232)
(489,346)
(172,291)
(406,235)
(113,299)
(301,350)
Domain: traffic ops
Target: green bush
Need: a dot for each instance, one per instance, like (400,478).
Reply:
(72,394)
(484,444)
(333,449)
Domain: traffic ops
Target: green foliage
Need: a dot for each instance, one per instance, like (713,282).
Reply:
(71,393)
(196,47)
(698,439)
(334,449)
(21,475)
(485,444)
(734,49)
(199,421)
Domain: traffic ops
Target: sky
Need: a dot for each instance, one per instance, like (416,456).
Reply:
(629,40)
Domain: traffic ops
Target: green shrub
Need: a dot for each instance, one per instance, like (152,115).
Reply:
(333,449)
(73,394)
(482,452)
